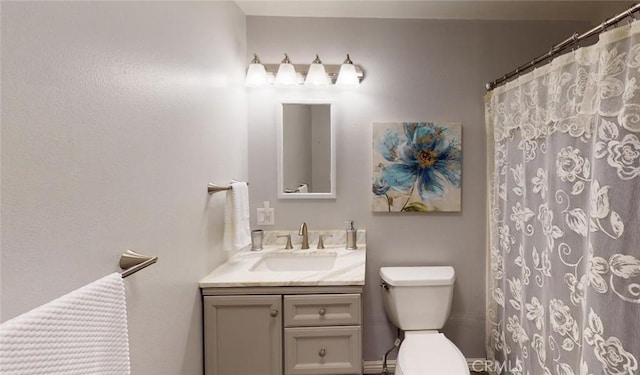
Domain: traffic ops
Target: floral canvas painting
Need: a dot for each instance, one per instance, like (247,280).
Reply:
(417,167)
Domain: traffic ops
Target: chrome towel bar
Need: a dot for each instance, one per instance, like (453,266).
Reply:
(132,262)
(214,188)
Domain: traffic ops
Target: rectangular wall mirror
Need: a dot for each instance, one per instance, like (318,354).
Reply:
(306,151)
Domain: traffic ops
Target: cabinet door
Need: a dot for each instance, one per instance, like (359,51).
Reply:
(243,335)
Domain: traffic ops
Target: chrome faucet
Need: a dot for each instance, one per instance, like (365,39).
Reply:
(305,236)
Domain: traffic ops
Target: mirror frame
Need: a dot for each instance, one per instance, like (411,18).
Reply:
(279,169)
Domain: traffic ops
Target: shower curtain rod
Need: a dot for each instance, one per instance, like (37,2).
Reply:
(575,38)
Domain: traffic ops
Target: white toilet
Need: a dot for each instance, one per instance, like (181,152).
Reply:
(418,300)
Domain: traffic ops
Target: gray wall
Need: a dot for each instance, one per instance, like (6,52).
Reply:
(115,116)
(416,70)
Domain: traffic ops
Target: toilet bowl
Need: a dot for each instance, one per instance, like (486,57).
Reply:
(418,300)
(429,353)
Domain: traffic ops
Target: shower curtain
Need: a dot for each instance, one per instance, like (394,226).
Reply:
(564,214)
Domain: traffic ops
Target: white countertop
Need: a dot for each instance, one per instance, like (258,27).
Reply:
(349,269)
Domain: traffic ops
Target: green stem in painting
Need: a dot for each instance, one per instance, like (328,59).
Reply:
(408,199)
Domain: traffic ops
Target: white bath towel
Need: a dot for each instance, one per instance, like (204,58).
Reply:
(83,332)
(237,232)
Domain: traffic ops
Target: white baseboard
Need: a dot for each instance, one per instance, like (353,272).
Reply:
(375,367)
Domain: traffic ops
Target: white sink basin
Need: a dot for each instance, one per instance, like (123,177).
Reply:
(296,261)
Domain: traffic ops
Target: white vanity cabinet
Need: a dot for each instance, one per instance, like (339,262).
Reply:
(283,330)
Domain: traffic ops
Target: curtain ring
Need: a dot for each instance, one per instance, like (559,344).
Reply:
(574,37)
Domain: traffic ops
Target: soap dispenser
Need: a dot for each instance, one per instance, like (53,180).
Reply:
(351,235)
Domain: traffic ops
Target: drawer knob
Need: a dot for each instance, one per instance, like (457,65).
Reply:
(274,313)
(322,311)
(322,352)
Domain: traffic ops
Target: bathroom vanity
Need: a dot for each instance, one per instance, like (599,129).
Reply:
(290,312)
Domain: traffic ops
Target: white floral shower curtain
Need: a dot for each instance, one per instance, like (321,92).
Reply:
(564,214)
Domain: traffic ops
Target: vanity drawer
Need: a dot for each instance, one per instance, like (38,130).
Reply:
(322,310)
(323,350)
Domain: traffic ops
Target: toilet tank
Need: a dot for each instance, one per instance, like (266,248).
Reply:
(417,298)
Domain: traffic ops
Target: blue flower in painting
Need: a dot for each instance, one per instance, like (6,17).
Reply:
(426,154)
(380,186)
(388,145)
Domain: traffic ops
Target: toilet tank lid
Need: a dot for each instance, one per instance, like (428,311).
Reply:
(418,276)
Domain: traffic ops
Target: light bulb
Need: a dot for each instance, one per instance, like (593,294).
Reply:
(286,75)
(316,76)
(348,77)
(256,74)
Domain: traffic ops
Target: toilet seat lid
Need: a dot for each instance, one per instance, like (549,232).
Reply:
(429,352)
(418,276)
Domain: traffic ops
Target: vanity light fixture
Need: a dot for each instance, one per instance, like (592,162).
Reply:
(316,76)
(286,75)
(348,77)
(256,74)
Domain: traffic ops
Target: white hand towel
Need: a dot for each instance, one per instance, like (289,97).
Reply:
(237,232)
(83,332)
(303,188)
